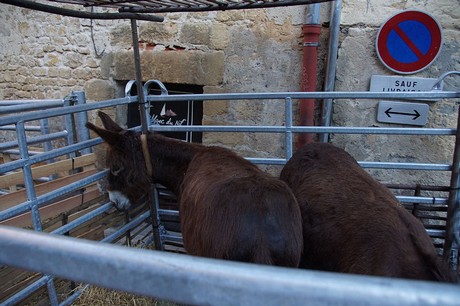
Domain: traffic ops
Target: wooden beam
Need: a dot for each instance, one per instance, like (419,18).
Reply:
(55,209)
(49,169)
(14,198)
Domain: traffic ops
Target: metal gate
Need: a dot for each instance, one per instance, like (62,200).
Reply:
(197,280)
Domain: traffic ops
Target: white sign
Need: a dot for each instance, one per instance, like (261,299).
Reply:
(402,112)
(384,83)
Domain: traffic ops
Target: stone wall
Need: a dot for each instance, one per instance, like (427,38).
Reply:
(47,56)
(358,61)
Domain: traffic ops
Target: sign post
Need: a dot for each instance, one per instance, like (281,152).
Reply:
(409,42)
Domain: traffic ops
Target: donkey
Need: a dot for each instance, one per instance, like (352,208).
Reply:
(354,224)
(228,207)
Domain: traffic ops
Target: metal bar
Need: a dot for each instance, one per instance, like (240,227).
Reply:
(405,166)
(82,118)
(438,84)
(37,101)
(45,198)
(121,231)
(10,166)
(22,294)
(300,129)
(422,200)
(451,243)
(168,212)
(36,115)
(28,180)
(326,113)
(408,95)
(44,125)
(267,161)
(30,128)
(203,281)
(68,122)
(79,221)
(33,140)
(17,108)
(436,233)
(154,207)
(75,295)
(173,238)
(231,96)
(366,164)
(220,5)
(140,92)
(52,292)
(288,126)
(79,14)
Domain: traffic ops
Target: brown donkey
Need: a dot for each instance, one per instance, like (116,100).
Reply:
(229,208)
(354,224)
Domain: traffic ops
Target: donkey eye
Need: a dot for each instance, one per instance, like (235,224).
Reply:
(116,171)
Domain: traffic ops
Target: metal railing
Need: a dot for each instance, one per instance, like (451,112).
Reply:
(202,281)
(338,288)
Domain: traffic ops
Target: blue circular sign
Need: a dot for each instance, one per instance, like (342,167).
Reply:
(409,42)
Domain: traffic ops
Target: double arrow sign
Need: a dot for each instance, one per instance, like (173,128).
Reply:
(402,112)
(414,115)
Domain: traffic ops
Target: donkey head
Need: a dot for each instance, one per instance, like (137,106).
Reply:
(127,180)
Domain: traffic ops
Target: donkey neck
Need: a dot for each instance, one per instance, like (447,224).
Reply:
(171,158)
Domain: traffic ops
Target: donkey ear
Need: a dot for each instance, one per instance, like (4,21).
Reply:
(108,123)
(112,138)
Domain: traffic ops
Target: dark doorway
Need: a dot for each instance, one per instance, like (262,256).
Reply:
(179,112)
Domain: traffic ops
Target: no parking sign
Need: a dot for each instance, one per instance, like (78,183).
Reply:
(409,42)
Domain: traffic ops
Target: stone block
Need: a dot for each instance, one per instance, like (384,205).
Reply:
(219,37)
(157,32)
(121,36)
(99,90)
(191,67)
(195,33)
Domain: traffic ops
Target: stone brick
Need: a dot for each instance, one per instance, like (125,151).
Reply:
(197,33)
(99,90)
(53,72)
(65,72)
(81,74)
(52,60)
(219,37)
(227,16)
(157,32)
(121,36)
(172,67)
(73,60)
(39,71)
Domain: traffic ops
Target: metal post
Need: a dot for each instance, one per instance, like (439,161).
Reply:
(143,106)
(155,218)
(82,118)
(331,65)
(288,124)
(453,210)
(27,174)
(69,101)
(137,64)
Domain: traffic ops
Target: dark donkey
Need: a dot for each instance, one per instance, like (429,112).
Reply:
(354,224)
(229,208)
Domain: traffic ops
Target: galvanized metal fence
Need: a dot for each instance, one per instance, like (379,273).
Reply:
(205,281)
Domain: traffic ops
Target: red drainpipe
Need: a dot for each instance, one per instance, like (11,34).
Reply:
(311,34)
